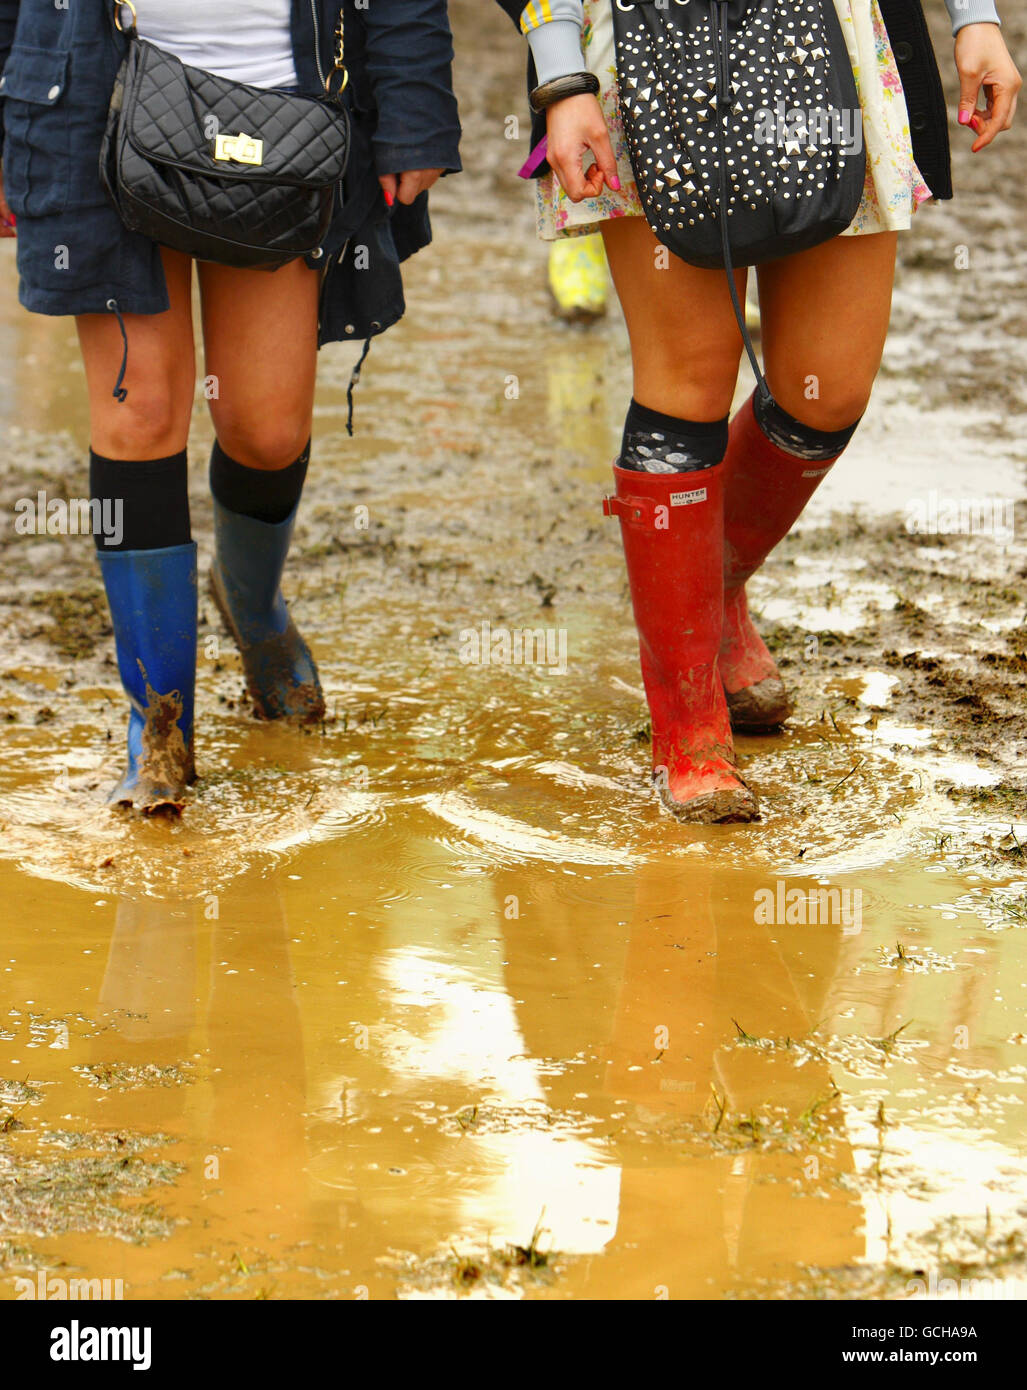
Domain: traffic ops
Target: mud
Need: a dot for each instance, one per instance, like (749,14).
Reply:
(432,999)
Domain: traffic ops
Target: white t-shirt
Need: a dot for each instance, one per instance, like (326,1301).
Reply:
(247,40)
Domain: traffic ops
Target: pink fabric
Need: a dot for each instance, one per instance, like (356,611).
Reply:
(534,159)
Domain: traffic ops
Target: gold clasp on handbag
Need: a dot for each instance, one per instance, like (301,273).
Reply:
(339,65)
(243,148)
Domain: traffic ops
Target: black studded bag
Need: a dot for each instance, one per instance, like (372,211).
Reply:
(225,172)
(743,125)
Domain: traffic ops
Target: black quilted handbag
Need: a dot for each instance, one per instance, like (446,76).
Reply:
(225,172)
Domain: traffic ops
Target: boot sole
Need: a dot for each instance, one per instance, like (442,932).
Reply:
(314,700)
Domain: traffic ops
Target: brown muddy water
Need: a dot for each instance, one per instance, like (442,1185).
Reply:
(434,1002)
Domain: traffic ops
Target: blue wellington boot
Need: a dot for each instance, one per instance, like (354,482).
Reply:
(152,599)
(245,579)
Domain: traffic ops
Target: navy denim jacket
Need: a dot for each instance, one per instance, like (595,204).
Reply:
(59,60)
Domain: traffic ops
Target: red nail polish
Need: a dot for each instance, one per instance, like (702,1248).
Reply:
(390,198)
(615,184)
(964,118)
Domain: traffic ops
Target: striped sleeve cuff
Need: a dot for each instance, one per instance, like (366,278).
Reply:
(536,13)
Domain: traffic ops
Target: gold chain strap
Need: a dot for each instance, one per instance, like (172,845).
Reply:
(339,65)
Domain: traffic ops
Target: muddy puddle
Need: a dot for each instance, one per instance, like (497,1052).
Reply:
(432,1001)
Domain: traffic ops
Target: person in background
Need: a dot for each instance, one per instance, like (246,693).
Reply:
(578,278)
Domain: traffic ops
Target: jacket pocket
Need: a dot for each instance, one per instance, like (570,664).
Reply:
(37,134)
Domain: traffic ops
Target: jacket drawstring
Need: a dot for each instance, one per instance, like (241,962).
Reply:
(354,377)
(120,392)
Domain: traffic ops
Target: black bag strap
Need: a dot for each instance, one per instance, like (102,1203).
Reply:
(721,43)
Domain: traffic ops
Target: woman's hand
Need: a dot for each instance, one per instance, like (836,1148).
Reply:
(407,185)
(983,60)
(575,126)
(6,215)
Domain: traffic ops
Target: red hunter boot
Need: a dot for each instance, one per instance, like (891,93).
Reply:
(766,491)
(671,526)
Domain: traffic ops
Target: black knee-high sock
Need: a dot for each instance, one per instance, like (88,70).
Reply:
(261,493)
(143,505)
(791,435)
(657,443)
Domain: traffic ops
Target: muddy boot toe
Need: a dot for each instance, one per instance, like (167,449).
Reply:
(764,705)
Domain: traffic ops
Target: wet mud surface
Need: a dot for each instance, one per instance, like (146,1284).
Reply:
(431,999)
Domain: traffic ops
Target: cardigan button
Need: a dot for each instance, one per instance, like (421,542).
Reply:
(53,93)
(903,52)
(918,121)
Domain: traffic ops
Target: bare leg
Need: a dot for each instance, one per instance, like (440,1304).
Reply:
(151,586)
(685,343)
(685,347)
(260,336)
(825,318)
(152,422)
(260,340)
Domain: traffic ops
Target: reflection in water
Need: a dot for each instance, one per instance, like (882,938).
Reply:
(527,1047)
(209,982)
(405,1043)
(708,1138)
